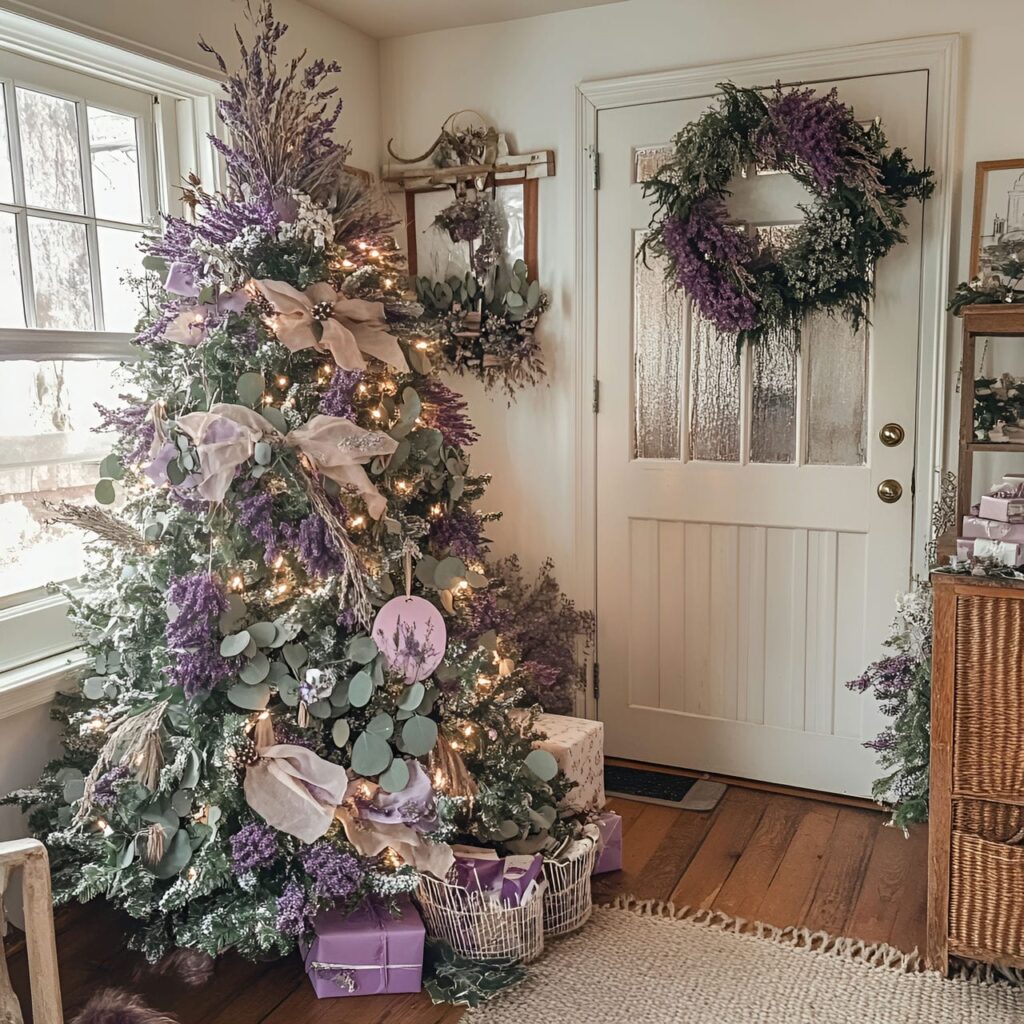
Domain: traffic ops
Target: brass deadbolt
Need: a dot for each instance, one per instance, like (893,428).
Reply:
(891,435)
(890,491)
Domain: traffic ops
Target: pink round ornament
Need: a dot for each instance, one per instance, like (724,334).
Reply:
(411,635)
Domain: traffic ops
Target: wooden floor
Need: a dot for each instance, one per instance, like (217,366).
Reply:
(782,859)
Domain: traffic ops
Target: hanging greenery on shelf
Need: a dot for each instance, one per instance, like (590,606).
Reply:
(485,321)
(752,284)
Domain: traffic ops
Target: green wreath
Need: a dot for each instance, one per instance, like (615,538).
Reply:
(754,287)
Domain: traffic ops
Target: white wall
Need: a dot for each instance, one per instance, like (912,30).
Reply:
(168,31)
(521,75)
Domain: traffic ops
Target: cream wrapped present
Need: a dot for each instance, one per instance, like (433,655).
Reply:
(578,746)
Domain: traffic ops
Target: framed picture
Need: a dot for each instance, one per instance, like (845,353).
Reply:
(997,229)
(433,254)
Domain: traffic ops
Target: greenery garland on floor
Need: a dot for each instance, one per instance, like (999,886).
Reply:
(753,285)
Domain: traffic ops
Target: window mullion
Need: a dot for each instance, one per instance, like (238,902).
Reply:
(20,217)
(14,142)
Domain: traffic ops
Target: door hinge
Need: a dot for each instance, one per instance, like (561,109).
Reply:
(596,398)
(597,681)
(596,157)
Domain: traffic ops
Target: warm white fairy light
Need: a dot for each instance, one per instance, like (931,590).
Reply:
(356,522)
(423,344)
(347,264)
(282,381)
(236,583)
(268,398)
(435,512)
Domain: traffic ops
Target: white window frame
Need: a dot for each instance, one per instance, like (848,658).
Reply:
(35,634)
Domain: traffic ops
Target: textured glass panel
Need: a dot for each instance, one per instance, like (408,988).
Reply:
(47,441)
(6,180)
(773,398)
(512,201)
(837,360)
(659,327)
(118,257)
(648,160)
(714,391)
(774,236)
(114,151)
(48,131)
(12,308)
(60,274)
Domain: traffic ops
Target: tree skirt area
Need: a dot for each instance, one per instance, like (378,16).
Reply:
(648,963)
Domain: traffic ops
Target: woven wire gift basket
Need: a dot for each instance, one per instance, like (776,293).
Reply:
(568,903)
(480,929)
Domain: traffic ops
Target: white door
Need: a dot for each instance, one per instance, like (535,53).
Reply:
(746,564)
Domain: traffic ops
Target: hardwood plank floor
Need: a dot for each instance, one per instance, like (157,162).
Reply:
(760,855)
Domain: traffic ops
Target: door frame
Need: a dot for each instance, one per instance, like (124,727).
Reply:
(939,55)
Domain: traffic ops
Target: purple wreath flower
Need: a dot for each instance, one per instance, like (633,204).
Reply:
(131,422)
(105,791)
(253,847)
(192,635)
(293,910)
(459,533)
(708,257)
(335,874)
(314,546)
(255,514)
(446,411)
(337,400)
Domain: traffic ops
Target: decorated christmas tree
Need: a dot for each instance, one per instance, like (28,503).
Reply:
(301,670)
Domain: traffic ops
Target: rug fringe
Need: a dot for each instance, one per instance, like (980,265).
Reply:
(877,954)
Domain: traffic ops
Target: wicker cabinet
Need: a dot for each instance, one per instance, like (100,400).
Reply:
(976,828)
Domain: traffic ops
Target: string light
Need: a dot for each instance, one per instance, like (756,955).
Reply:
(278,562)
(236,583)
(356,522)
(363,389)
(97,724)
(482,682)
(282,381)
(422,345)
(377,413)
(268,398)
(461,585)
(283,588)
(439,780)
(363,245)
(435,512)
(347,264)
(102,825)
(403,485)
(191,874)
(468,730)
(374,254)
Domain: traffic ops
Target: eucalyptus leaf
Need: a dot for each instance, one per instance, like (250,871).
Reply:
(382,724)
(256,670)
(371,754)
(340,732)
(234,644)
(176,859)
(105,492)
(419,735)
(181,802)
(412,697)
(263,633)
(93,687)
(320,709)
(425,569)
(288,691)
(449,571)
(250,388)
(74,789)
(111,467)
(360,689)
(542,763)
(262,453)
(176,473)
(251,698)
(275,418)
(396,778)
(295,655)
(361,649)
(236,612)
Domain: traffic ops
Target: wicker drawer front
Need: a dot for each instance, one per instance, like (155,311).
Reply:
(986,896)
(988,697)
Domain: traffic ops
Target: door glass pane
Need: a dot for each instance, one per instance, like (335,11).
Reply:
(714,391)
(659,327)
(773,398)
(12,307)
(60,274)
(48,131)
(118,257)
(114,151)
(6,179)
(48,450)
(648,160)
(837,361)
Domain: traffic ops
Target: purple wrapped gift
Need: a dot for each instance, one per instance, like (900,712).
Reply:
(1005,510)
(504,879)
(1008,552)
(990,529)
(609,845)
(367,952)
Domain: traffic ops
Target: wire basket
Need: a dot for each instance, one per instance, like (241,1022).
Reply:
(480,929)
(568,903)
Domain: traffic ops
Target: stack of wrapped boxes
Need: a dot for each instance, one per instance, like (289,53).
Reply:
(995,527)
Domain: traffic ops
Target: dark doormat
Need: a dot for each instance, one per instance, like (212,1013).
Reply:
(662,788)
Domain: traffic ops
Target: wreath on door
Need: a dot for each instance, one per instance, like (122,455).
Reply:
(756,283)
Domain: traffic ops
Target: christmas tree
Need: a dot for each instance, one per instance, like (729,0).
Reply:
(300,684)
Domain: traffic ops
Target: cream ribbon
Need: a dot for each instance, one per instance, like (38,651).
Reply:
(350,328)
(226,436)
(372,838)
(293,789)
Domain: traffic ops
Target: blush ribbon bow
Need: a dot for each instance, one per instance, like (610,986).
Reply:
(226,436)
(321,318)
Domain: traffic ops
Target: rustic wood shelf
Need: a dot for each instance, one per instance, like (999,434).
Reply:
(995,446)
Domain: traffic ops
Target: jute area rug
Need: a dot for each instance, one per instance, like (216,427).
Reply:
(646,963)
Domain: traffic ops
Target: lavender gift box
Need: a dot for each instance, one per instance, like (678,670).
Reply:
(1005,510)
(367,952)
(1008,552)
(609,844)
(990,529)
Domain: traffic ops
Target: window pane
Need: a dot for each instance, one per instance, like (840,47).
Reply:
(48,450)
(659,328)
(60,274)
(114,151)
(6,180)
(118,256)
(715,392)
(773,400)
(12,306)
(837,362)
(48,130)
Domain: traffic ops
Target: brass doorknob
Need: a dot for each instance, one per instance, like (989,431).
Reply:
(891,435)
(890,491)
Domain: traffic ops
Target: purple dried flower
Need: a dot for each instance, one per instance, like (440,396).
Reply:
(253,847)
(701,247)
(337,399)
(445,410)
(193,636)
(335,874)
(130,421)
(255,514)
(459,533)
(105,791)
(293,910)
(315,547)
